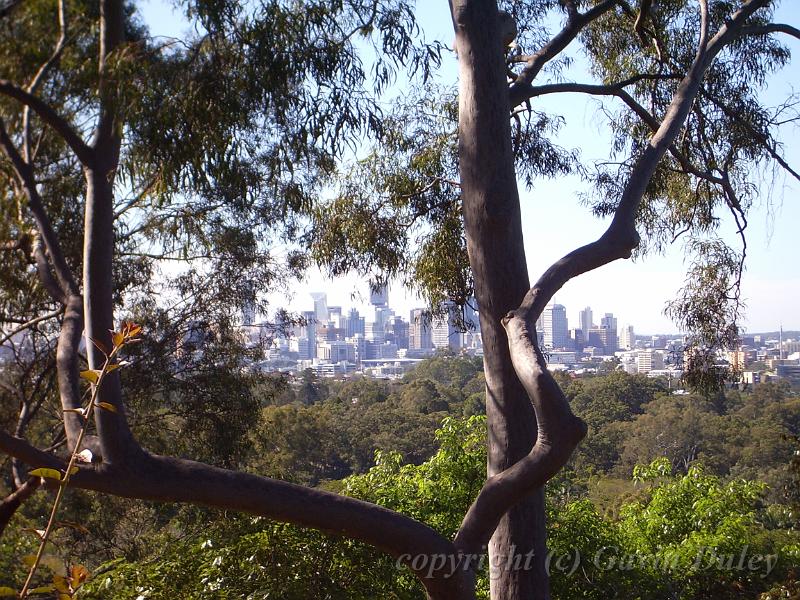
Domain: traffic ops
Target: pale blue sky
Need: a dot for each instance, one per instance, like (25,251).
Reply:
(555,222)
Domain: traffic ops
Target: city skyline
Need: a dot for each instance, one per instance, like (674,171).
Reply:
(353,292)
(637,290)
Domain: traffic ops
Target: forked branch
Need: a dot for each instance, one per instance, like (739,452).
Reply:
(46,112)
(559,431)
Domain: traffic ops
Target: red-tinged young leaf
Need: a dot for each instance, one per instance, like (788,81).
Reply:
(132,329)
(117,337)
(91,375)
(79,575)
(107,406)
(46,473)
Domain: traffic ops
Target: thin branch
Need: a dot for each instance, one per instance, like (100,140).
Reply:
(771,28)
(769,146)
(621,237)
(575,23)
(68,371)
(29,324)
(39,78)
(137,198)
(25,175)
(82,151)
(647,118)
(11,503)
(45,274)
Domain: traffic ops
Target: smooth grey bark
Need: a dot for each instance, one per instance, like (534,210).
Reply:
(494,241)
(493,229)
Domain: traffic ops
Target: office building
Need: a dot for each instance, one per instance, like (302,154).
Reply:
(609,323)
(320,306)
(419,331)
(555,327)
(627,339)
(585,321)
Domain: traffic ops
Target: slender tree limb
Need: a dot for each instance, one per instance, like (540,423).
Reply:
(106,137)
(559,433)
(575,23)
(159,478)
(30,455)
(33,322)
(769,145)
(38,78)
(621,237)
(116,440)
(43,270)
(616,90)
(771,28)
(68,374)
(25,175)
(52,118)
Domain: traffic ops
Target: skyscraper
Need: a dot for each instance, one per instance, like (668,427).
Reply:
(320,306)
(355,323)
(609,323)
(419,331)
(444,333)
(585,321)
(627,339)
(555,326)
(307,344)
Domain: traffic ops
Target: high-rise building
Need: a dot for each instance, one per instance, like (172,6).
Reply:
(609,323)
(374,332)
(444,333)
(397,332)
(419,331)
(354,323)
(308,332)
(597,338)
(585,321)
(649,360)
(335,315)
(555,326)
(627,339)
(578,338)
(320,306)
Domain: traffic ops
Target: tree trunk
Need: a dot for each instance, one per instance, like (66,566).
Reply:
(497,256)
